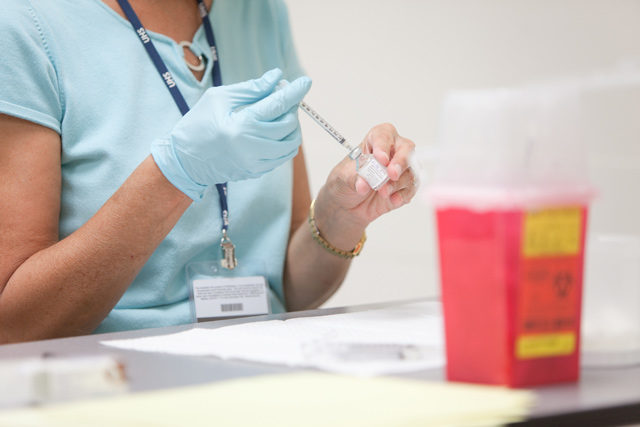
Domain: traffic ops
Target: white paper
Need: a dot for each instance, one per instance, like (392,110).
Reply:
(360,343)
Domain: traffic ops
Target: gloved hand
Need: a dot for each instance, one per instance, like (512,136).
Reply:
(233,132)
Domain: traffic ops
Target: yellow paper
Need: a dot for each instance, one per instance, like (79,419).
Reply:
(299,399)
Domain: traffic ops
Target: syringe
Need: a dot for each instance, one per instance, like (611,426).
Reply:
(354,153)
(366,164)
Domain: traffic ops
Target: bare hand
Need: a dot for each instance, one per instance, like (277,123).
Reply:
(348,193)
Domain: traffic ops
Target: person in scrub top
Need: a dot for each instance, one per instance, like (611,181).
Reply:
(109,191)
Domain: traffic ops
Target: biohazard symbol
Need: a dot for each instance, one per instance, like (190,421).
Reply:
(562,283)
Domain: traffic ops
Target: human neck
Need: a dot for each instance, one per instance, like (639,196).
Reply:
(177,19)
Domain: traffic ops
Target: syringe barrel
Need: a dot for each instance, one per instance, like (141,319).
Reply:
(321,121)
(325,125)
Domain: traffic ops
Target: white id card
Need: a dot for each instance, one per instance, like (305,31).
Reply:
(218,297)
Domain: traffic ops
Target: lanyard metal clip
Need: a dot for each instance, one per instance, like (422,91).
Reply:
(229,260)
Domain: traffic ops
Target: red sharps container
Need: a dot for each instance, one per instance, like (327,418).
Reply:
(511,200)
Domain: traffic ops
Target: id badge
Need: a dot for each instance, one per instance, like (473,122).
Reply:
(218,293)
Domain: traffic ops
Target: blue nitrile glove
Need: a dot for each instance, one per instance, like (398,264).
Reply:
(233,133)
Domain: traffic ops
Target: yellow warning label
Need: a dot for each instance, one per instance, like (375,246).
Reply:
(552,232)
(545,345)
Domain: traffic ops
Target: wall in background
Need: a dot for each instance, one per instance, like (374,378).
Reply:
(374,61)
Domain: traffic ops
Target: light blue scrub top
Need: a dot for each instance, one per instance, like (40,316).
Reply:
(77,67)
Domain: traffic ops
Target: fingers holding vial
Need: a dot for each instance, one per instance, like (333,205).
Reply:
(401,192)
(394,152)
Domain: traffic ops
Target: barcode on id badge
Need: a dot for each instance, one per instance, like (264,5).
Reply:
(231,307)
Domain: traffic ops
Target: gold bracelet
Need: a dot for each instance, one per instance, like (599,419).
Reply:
(328,246)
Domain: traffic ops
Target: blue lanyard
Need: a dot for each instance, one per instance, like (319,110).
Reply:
(170,82)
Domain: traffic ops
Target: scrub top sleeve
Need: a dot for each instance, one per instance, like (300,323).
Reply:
(29,86)
(291,65)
